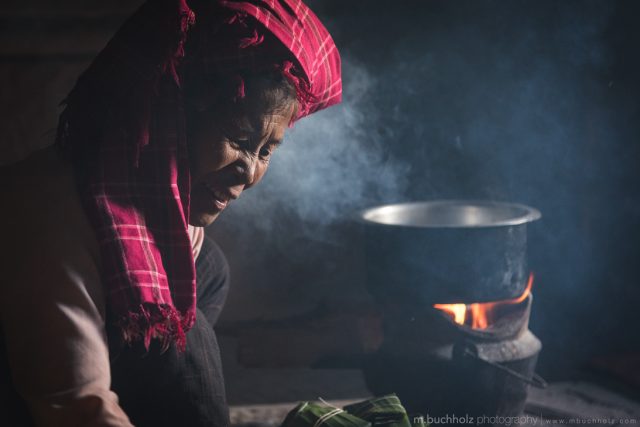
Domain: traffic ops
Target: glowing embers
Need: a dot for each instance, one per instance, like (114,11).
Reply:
(482,315)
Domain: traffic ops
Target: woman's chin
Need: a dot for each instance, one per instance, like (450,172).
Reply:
(202,219)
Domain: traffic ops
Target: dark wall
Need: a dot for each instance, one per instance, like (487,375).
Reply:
(44,46)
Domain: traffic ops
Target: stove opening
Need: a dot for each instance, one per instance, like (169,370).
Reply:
(485,314)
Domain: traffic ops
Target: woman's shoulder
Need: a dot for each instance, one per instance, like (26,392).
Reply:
(42,214)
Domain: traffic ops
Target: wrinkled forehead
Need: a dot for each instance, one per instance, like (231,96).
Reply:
(272,99)
(262,123)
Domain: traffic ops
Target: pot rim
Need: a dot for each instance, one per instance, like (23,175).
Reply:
(525,214)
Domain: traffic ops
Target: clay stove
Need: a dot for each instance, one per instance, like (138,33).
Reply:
(452,283)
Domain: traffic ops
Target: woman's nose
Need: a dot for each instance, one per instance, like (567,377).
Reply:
(245,170)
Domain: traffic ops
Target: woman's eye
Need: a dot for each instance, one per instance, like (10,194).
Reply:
(265,152)
(238,143)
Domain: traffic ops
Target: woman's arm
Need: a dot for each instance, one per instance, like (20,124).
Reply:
(52,304)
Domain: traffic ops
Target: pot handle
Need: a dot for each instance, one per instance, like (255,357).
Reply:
(468,349)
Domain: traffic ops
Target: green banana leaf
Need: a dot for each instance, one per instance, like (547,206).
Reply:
(385,411)
(310,414)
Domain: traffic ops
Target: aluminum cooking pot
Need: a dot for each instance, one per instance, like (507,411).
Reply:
(447,251)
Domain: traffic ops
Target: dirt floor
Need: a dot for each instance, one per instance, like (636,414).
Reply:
(572,403)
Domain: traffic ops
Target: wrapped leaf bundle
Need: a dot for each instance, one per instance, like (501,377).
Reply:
(309,414)
(385,411)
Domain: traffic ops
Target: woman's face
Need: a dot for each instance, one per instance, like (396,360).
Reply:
(230,153)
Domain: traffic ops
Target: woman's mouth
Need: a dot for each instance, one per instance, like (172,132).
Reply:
(220,197)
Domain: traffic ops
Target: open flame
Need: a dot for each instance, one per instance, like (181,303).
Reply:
(480,315)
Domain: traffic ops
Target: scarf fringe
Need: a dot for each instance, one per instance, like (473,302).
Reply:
(156,321)
(175,53)
(304,95)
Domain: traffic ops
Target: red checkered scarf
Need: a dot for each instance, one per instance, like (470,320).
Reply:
(123,127)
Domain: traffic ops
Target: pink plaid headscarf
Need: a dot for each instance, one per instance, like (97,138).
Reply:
(124,129)
(300,31)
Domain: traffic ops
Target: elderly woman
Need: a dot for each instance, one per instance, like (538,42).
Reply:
(113,289)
